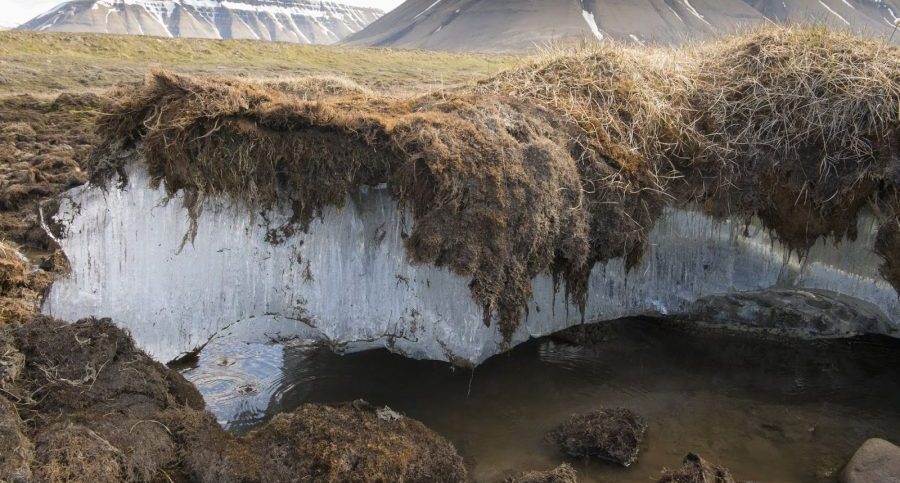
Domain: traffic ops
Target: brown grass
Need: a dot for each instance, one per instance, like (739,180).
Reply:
(16,449)
(43,143)
(317,87)
(776,122)
(51,62)
(21,287)
(553,166)
(446,159)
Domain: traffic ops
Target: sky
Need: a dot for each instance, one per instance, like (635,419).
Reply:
(15,12)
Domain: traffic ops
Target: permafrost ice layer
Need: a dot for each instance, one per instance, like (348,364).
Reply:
(348,279)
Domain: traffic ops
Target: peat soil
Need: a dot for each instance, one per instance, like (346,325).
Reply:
(80,403)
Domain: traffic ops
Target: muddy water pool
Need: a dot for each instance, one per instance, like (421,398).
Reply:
(768,409)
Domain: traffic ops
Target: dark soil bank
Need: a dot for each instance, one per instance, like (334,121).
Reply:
(43,146)
(81,403)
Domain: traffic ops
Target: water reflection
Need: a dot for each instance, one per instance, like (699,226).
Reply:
(770,410)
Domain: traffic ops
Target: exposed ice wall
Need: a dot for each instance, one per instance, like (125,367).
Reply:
(348,280)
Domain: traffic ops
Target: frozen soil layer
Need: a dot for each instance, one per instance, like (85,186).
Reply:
(349,281)
(97,409)
(532,182)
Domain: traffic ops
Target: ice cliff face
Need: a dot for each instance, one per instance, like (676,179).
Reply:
(348,280)
(301,21)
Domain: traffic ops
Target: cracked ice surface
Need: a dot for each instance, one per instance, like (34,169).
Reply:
(348,280)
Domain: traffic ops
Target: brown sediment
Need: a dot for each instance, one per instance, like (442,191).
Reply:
(561,474)
(97,409)
(697,470)
(554,166)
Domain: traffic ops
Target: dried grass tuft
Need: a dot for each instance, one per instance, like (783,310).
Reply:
(313,88)
(21,287)
(814,108)
(76,453)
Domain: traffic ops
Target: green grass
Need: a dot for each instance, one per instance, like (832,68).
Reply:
(52,62)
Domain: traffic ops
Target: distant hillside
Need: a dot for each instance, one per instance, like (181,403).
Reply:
(50,62)
(300,21)
(497,25)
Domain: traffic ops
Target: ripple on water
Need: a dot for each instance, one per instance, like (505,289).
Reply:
(238,380)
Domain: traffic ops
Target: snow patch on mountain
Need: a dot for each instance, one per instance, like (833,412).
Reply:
(695,13)
(847,22)
(592,23)
(423,12)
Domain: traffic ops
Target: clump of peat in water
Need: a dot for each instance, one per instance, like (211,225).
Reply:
(561,474)
(613,435)
(697,470)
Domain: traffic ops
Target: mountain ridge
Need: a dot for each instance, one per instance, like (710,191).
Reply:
(298,21)
(514,25)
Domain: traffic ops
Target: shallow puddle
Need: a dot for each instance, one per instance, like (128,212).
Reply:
(769,410)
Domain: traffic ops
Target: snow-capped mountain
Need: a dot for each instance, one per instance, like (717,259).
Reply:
(523,24)
(302,21)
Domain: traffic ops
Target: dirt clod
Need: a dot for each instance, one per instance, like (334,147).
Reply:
(332,443)
(96,402)
(561,474)
(21,286)
(613,435)
(16,450)
(697,470)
